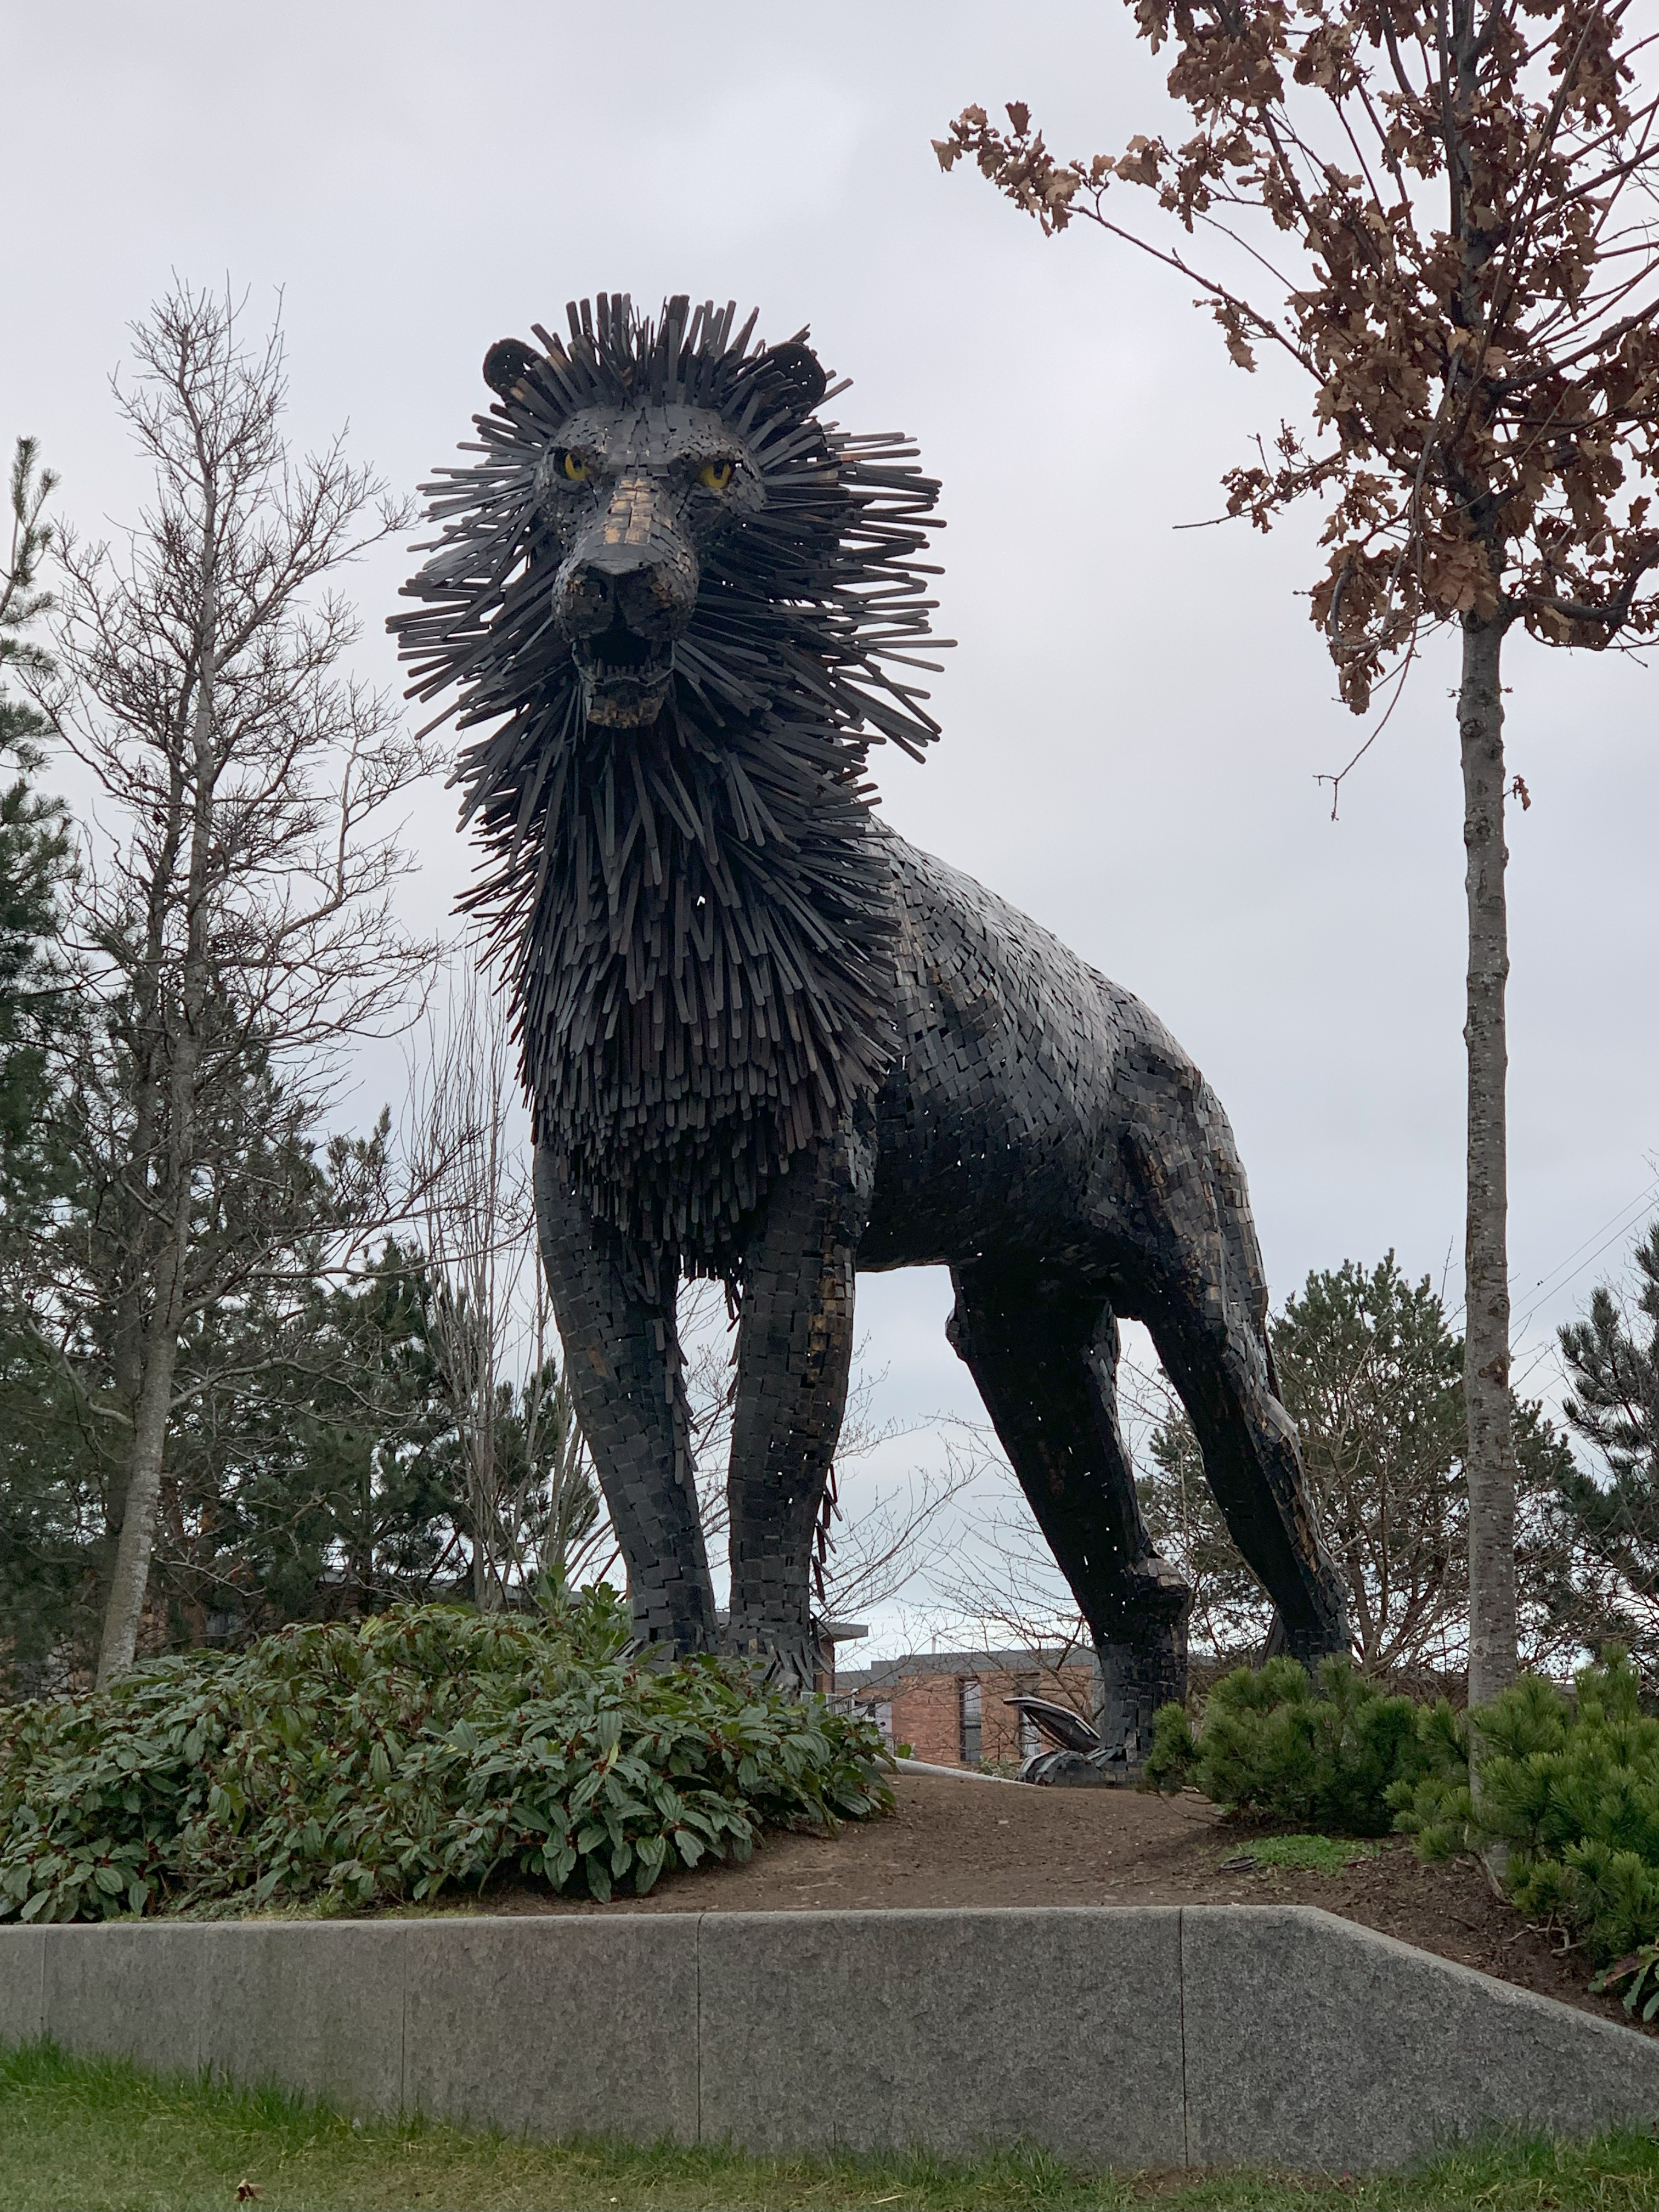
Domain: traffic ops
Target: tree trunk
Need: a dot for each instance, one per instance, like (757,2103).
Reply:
(486,1580)
(130,1576)
(1490,1463)
(148,1050)
(480,1562)
(362,1549)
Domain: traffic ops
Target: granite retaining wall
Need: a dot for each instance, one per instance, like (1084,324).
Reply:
(1129,2036)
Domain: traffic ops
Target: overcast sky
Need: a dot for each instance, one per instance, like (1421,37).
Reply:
(1134,717)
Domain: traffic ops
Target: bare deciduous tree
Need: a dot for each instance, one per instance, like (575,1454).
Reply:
(860,1560)
(477,1239)
(900,1535)
(1002,1593)
(531,1497)
(1454,203)
(234,916)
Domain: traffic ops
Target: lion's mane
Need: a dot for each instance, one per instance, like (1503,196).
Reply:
(697,910)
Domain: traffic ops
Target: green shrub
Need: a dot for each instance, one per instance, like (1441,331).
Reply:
(1174,1753)
(1639,1971)
(1568,1785)
(1322,1755)
(366,1762)
(1570,1789)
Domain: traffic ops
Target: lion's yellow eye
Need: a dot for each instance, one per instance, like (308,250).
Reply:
(715,476)
(575,470)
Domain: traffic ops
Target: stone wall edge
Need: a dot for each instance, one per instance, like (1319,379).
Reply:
(1214,2034)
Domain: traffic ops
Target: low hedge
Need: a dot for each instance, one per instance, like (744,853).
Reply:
(427,1747)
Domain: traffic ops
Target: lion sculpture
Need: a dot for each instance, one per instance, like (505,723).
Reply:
(767,1041)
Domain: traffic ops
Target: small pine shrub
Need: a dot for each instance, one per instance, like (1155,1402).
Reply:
(362,1763)
(1569,1786)
(1321,1753)
(1174,1753)
(1571,1789)
(1434,1804)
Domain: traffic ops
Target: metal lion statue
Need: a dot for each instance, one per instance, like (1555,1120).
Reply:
(767,1041)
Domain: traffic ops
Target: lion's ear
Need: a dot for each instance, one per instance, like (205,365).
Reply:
(798,369)
(508,362)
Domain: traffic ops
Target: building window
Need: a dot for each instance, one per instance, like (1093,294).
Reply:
(971,1710)
(1030,1735)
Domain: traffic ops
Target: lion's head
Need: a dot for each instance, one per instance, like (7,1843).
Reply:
(675,593)
(636,492)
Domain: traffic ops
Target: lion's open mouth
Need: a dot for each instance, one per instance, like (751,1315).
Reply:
(624,675)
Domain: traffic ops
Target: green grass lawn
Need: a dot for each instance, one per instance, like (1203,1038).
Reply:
(1302,1853)
(80,2137)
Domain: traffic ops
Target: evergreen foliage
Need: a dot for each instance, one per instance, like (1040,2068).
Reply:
(322,1474)
(1612,1360)
(52,1514)
(1570,1783)
(35,858)
(1570,1786)
(314,1469)
(425,1748)
(1321,1754)
(42,1520)
(1372,1374)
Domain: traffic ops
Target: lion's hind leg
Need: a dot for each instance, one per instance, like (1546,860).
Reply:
(1044,1354)
(1254,1468)
(1204,1298)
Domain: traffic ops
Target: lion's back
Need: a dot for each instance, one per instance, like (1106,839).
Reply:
(1017,1064)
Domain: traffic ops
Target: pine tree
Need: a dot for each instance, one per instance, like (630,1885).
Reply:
(1372,1373)
(1612,1357)
(48,1498)
(34,861)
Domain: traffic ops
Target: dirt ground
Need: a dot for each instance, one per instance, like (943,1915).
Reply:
(970,1842)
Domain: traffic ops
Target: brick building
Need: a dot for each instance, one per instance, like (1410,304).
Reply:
(948,1706)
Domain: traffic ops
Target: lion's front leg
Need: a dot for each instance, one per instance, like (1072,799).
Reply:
(794,1350)
(615,1310)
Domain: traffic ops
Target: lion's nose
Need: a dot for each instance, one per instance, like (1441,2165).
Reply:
(633,562)
(648,596)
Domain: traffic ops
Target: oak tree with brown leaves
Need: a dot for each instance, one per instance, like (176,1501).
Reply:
(1454,202)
